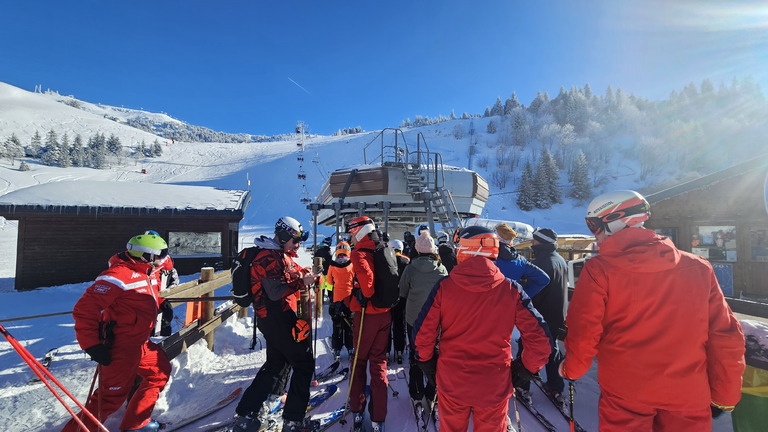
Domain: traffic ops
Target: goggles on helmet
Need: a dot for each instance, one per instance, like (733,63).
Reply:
(599,224)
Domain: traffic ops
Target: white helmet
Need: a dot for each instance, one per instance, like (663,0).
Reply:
(287,228)
(442,237)
(614,211)
(396,245)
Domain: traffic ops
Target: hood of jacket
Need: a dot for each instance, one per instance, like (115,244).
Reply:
(640,249)
(507,252)
(543,249)
(424,264)
(265,242)
(477,274)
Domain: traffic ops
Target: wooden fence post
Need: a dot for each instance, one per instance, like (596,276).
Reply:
(206,274)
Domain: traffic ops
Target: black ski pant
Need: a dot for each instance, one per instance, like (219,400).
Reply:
(282,351)
(555,382)
(342,332)
(397,331)
(416,387)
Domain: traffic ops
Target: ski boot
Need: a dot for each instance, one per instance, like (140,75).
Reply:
(305,425)
(271,405)
(559,400)
(246,424)
(357,423)
(523,396)
(336,354)
(152,426)
(377,426)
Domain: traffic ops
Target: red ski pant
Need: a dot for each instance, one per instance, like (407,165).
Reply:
(373,352)
(620,415)
(454,417)
(116,380)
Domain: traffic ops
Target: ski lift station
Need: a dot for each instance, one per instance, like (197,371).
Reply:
(398,186)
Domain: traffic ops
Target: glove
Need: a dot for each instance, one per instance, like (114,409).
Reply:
(429,367)
(300,330)
(716,412)
(363,300)
(166,319)
(100,354)
(520,375)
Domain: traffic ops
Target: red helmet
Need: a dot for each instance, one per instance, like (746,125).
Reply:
(360,227)
(614,211)
(477,241)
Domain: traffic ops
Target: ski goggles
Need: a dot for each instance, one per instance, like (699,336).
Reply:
(599,224)
(300,236)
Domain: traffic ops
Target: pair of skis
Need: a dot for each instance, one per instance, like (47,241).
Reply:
(543,419)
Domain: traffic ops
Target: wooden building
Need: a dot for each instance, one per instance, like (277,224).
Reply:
(724,218)
(68,230)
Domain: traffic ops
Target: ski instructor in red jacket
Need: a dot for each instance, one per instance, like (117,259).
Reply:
(113,321)
(670,352)
(473,311)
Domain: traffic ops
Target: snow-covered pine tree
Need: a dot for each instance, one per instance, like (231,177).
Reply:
(581,189)
(65,158)
(35,145)
(498,108)
(51,149)
(525,192)
(511,104)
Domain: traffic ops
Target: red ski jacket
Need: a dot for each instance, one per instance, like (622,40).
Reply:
(274,273)
(657,320)
(474,311)
(157,272)
(362,261)
(124,293)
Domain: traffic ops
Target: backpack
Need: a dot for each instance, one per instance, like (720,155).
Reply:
(386,277)
(241,275)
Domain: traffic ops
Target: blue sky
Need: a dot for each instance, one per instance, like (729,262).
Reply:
(259,67)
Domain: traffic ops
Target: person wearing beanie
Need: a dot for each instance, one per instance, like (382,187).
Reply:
(549,303)
(515,266)
(416,283)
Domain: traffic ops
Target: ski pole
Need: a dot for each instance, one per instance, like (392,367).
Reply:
(44,374)
(354,365)
(432,411)
(570,402)
(316,314)
(90,391)
(517,412)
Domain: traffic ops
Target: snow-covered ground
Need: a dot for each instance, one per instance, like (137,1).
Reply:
(200,376)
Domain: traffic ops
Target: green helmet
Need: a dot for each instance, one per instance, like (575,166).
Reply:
(148,246)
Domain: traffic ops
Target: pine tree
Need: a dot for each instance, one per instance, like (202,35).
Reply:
(498,108)
(487,112)
(511,104)
(491,127)
(97,151)
(77,152)
(35,145)
(525,192)
(113,145)
(555,194)
(51,151)
(13,148)
(65,158)
(541,195)
(157,149)
(581,190)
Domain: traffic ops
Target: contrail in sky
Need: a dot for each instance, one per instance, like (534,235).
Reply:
(297,85)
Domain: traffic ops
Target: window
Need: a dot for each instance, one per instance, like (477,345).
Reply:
(194,244)
(715,242)
(668,232)
(758,243)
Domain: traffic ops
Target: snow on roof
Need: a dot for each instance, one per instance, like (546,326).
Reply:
(124,197)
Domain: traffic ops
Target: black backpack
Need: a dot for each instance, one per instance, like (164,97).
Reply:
(241,275)
(386,277)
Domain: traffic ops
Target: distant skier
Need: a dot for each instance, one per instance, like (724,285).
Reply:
(473,312)
(277,280)
(113,321)
(669,349)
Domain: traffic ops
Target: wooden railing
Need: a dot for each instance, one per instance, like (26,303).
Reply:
(203,326)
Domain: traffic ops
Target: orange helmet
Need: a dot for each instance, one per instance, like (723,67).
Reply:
(343,249)
(360,227)
(477,241)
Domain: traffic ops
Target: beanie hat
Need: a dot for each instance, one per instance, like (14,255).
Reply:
(506,233)
(545,235)
(425,244)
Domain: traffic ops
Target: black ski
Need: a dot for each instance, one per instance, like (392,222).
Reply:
(328,371)
(46,362)
(539,416)
(552,399)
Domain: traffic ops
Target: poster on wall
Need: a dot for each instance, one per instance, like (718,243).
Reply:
(724,275)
